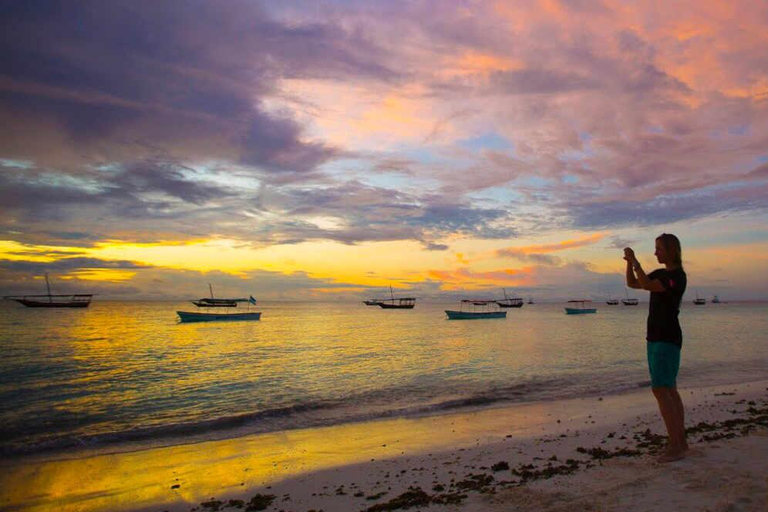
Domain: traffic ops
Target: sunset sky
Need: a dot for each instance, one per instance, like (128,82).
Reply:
(308,150)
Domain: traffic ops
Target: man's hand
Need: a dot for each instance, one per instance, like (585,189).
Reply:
(629,255)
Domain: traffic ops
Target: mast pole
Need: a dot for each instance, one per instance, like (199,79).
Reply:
(48,286)
(211,289)
(392,294)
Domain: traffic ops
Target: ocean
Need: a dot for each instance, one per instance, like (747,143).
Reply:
(122,373)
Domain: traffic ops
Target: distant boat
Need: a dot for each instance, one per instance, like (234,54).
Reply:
(393,303)
(189,316)
(469,310)
(582,309)
(372,302)
(698,301)
(215,303)
(530,300)
(716,300)
(611,301)
(77,300)
(629,301)
(510,302)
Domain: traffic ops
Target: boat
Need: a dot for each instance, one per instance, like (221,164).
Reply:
(469,310)
(582,309)
(716,300)
(76,300)
(191,316)
(215,303)
(629,301)
(510,302)
(530,300)
(372,302)
(611,301)
(698,301)
(393,303)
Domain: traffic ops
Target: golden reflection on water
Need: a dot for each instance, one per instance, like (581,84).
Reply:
(126,481)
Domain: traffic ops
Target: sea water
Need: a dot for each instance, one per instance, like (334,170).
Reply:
(124,372)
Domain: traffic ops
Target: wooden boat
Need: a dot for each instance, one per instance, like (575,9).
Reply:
(216,303)
(582,309)
(510,302)
(716,300)
(698,301)
(189,316)
(77,300)
(530,300)
(393,303)
(629,301)
(469,310)
(372,302)
(611,301)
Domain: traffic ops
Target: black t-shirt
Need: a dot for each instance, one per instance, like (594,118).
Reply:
(663,324)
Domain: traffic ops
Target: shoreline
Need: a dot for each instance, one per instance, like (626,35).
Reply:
(338,467)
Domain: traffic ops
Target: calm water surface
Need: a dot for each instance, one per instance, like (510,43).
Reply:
(125,371)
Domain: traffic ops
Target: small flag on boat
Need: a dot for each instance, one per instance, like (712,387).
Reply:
(251,300)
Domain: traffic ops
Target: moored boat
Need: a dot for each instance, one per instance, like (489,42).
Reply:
(582,309)
(611,301)
(191,316)
(699,301)
(393,303)
(372,302)
(49,300)
(469,310)
(629,301)
(509,302)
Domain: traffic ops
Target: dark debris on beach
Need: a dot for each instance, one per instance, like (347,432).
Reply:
(752,418)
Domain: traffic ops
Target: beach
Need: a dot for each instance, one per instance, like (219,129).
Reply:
(590,453)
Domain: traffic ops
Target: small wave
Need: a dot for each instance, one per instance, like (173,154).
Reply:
(376,404)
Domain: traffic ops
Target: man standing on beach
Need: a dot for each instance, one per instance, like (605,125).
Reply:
(665,338)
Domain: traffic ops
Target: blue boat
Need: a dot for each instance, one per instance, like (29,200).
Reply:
(186,316)
(582,309)
(472,313)
(229,304)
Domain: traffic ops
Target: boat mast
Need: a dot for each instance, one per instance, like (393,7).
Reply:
(211,289)
(48,285)
(392,294)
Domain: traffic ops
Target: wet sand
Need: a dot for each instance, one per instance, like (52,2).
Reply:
(593,453)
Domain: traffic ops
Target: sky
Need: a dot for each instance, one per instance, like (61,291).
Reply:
(326,150)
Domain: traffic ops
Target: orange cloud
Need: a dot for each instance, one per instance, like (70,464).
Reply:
(547,248)
(465,278)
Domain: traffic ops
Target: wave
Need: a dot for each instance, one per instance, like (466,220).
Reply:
(403,401)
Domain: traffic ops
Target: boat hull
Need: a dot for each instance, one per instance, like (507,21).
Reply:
(580,311)
(502,305)
(395,306)
(474,315)
(187,316)
(40,304)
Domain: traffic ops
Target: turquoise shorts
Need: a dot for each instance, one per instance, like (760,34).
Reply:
(664,363)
